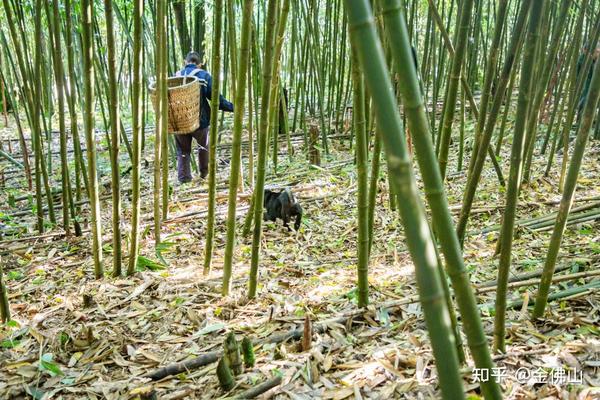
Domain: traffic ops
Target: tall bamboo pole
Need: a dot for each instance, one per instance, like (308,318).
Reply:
(263,129)
(358,115)
(22,143)
(231,36)
(214,113)
(136,113)
(234,174)
(482,148)
(67,198)
(34,112)
(115,143)
(490,75)
(162,8)
(454,76)
(87,42)
(160,60)
(540,88)
(566,202)
(363,36)
(516,164)
(416,114)
(274,100)
(71,91)
(374,181)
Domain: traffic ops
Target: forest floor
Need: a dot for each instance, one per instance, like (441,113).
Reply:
(57,347)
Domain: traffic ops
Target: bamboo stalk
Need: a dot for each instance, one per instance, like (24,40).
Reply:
(240,97)
(136,111)
(113,108)
(507,69)
(363,36)
(358,115)
(263,129)
(433,181)
(4,304)
(569,191)
(212,157)
(87,10)
(462,31)
(508,220)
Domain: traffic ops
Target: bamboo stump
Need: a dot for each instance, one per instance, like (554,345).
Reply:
(4,305)
(313,150)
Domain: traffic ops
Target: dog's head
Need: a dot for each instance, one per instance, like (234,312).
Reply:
(268,196)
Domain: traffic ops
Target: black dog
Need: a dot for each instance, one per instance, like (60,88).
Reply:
(282,205)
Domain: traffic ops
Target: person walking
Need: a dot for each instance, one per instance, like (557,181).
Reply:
(193,67)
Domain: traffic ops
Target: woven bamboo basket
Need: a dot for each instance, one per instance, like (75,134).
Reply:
(183,94)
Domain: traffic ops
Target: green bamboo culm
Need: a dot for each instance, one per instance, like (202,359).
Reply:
(38,101)
(87,41)
(516,157)
(28,100)
(136,114)
(363,36)
(373,185)
(263,130)
(540,89)
(164,144)
(490,75)
(115,143)
(67,198)
(416,114)
(484,142)
(575,90)
(81,174)
(163,6)
(29,92)
(566,202)
(161,77)
(157,211)
(274,99)
(461,40)
(4,304)
(234,174)
(231,38)
(360,132)
(212,141)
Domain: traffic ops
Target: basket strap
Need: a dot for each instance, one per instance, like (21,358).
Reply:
(192,73)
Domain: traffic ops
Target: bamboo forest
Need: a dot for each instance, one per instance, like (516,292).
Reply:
(300,199)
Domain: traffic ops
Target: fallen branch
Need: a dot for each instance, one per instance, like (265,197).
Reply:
(178,368)
(8,157)
(537,221)
(532,282)
(522,277)
(259,389)
(587,288)
(34,238)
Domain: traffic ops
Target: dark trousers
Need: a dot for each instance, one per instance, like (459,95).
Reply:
(184,152)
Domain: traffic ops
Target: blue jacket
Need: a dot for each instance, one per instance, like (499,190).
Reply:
(206,91)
